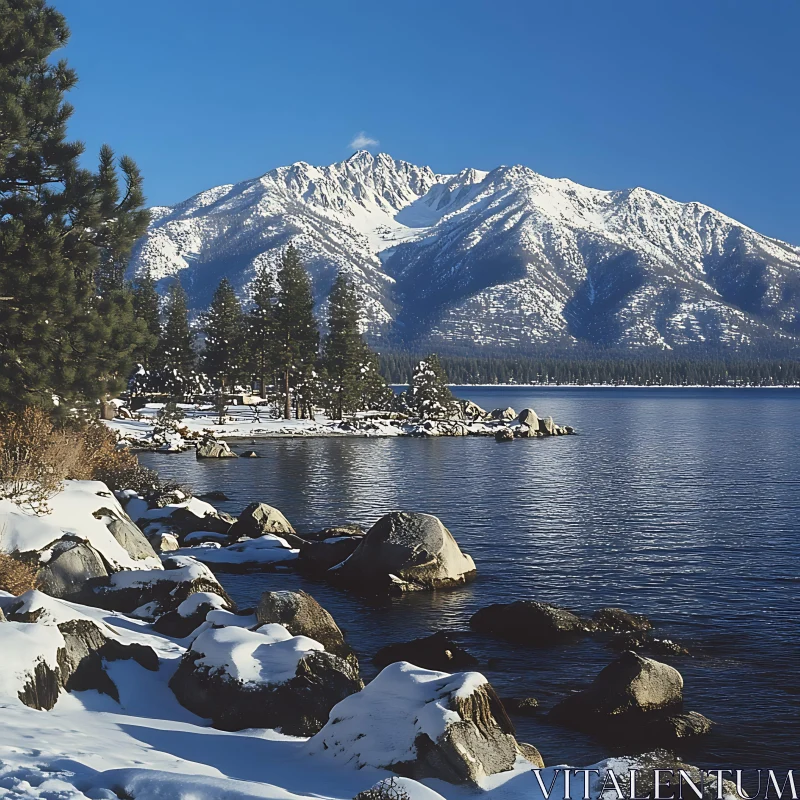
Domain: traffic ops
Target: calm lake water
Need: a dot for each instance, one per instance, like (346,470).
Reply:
(681,504)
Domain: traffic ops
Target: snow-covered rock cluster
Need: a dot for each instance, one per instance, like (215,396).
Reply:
(506,257)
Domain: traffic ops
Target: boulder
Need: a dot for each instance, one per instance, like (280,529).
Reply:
(250,454)
(150,593)
(190,614)
(163,542)
(524,432)
(504,435)
(503,414)
(316,558)
(210,448)
(431,652)
(262,679)
(676,728)
(214,494)
(184,521)
(527,622)
(405,551)
(627,688)
(548,427)
(524,706)
(302,615)
(266,553)
(472,412)
(260,518)
(617,620)
(644,642)
(528,417)
(421,724)
(532,754)
(131,538)
(73,567)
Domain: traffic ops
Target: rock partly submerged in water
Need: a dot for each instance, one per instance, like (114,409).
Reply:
(527,621)
(214,448)
(436,652)
(260,518)
(422,724)
(405,551)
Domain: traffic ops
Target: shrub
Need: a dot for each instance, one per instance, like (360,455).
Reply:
(388,789)
(35,458)
(16,576)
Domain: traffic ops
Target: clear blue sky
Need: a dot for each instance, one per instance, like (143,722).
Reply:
(697,100)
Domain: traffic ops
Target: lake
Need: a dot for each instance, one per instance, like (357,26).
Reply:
(681,504)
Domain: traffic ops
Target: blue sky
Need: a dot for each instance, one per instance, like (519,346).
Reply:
(696,100)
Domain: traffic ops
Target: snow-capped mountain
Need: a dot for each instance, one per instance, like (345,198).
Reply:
(492,259)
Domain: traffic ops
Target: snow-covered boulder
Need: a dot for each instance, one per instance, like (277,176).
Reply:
(503,414)
(396,788)
(527,621)
(403,552)
(176,514)
(150,593)
(210,448)
(302,615)
(260,518)
(190,614)
(262,679)
(263,554)
(87,535)
(626,689)
(421,724)
(52,646)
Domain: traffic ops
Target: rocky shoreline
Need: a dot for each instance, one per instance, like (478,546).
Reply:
(286,665)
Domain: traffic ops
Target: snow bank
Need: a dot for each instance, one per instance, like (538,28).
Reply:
(75,512)
(23,645)
(269,655)
(262,551)
(379,726)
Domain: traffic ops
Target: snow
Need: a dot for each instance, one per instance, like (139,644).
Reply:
(266,549)
(187,571)
(378,726)
(269,655)
(23,645)
(194,601)
(72,513)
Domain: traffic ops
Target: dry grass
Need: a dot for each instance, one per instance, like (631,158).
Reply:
(16,576)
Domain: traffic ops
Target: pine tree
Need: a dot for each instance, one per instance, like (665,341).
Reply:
(177,341)
(146,306)
(428,394)
(223,323)
(260,327)
(58,335)
(296,332)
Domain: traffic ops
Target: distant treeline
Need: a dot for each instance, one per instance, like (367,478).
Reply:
(631,371)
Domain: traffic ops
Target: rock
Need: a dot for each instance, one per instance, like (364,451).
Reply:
(452,727)
(531,753)
(71,569)
(336,532)
(504,435)
(677,728)
(472,411)
(266,553)
(396,788)
(405,551)
(528,417)
(503,414)
(644,642)
(131,538)
(302,615)
(548,427)
(524,706)
(250,454)
(258,519)
(107,411)
(185,521)
(569,430)
(163,542)
(150,593)
(617,620)
(123,412)
(190,614)
(523,432)
(528,622)
(262,679)
(210,448)
(629,687)
(316,558)
(431,652)
(2,616)
(215,495)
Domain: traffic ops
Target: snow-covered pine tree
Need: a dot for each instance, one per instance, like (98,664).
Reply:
(223,355)
(428,394)
(58,334)
(178,357)
(146,306)
(260,329)
(296,332)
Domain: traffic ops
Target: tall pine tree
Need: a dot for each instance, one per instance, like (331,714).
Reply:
(146,306)
(223,355)
(177,340)
(58,334)
(296,332)
(260,327)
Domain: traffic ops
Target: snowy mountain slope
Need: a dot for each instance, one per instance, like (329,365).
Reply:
(491,259)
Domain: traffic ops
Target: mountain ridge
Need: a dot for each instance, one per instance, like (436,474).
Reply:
(498,258)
